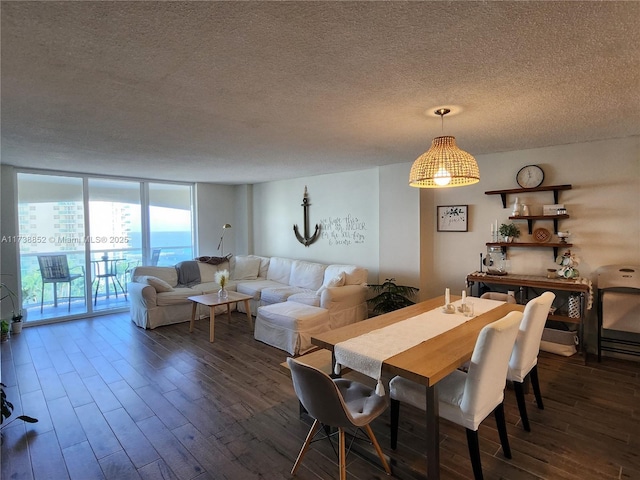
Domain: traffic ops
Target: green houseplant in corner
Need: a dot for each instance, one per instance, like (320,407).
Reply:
(389,296)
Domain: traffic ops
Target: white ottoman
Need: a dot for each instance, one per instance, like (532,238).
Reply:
(290,325)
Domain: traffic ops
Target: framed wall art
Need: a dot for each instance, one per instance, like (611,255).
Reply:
(452,218)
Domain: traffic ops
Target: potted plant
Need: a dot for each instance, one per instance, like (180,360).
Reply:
(508,231)
(16,315)
(390,297)
(4,330)
(6,408)
(16,322)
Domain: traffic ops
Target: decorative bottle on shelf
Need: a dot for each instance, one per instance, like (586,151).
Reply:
(516,208)
(525,210)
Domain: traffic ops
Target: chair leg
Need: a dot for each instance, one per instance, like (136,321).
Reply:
(69,299)
(342,458)
(502,430)
(474,453)
(42,297)
(536,386)
(522,406)
(121,288)
(376,445)
(55,294)
(312,432)
(395,419)
(95,299)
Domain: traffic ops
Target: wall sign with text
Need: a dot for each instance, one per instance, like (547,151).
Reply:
(344,231)
(452,218)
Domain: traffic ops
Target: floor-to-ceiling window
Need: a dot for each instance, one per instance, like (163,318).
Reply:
(51,226)
(115,229)
(89,233)
(170,220)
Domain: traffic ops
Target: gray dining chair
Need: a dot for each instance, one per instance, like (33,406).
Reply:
(467,398)
(524,358)
(338,403)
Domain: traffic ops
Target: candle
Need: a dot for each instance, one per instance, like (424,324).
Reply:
(447,297)
(464,295)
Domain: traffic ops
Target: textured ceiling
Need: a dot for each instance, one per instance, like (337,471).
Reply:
(245,92)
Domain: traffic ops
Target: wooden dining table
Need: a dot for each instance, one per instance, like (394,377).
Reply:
(428,362)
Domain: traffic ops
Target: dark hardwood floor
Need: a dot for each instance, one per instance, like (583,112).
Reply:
(118,402)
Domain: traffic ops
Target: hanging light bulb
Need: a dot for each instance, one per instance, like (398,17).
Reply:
(442,177)
(444,164)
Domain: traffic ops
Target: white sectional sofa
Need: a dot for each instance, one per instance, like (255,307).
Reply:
(157,299)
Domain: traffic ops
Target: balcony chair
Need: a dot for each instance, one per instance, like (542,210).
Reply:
(524,358)
(467,398)
(339,403)
(55,269)
(155,256)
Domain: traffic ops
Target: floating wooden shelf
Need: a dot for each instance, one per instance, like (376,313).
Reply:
(551,188)
(555,246)
(531,218)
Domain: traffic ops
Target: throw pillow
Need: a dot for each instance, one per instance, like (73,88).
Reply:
(246,268)
(157,283)
(337,281)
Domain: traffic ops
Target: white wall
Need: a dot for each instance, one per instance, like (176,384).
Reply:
(8,224)
(399,254)
(346,207)
(215,206)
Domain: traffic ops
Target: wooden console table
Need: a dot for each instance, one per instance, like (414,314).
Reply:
(535,281)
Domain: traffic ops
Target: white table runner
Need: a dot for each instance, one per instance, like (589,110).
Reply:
(367,352)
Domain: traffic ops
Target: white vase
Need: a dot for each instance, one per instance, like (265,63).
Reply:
(16,327)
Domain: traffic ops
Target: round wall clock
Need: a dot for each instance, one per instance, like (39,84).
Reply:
(530,176)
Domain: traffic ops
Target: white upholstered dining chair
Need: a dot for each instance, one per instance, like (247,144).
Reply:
(524,358)
(339,403)
(467,398)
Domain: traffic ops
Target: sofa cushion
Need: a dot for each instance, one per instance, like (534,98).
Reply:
(168,274)
(307,274)
(306,298)
(255,287)
(246,268)
(354,275)
(176,296)
(208,271)
(337,281)
(280,294)
(213,287)
(264,266)
(157,283)
(279,270)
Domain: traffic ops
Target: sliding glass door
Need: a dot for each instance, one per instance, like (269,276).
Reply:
(115,249)
(83,237)
(51,224)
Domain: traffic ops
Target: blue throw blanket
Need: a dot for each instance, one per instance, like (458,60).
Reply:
(188,273)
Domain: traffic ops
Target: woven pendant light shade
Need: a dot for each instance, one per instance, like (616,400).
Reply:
(444,165)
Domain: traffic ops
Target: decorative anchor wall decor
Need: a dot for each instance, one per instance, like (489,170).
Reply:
(306,240)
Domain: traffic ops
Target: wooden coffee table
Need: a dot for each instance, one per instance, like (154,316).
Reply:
(212,300)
